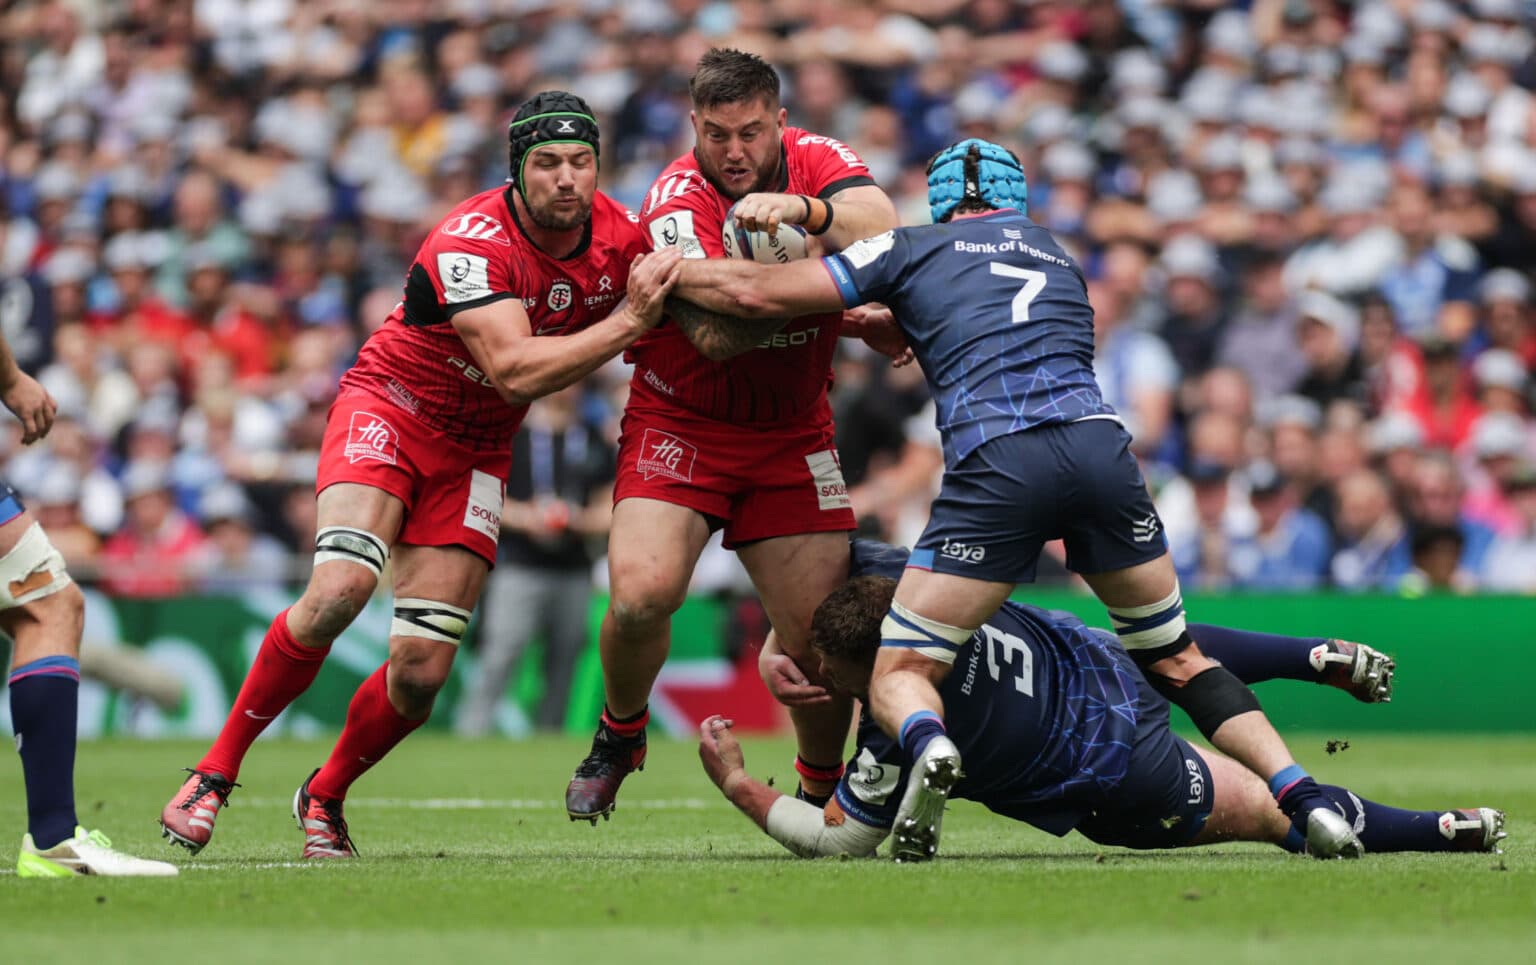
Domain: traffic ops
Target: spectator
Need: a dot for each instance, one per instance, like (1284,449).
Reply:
(1373,551)
(1511,563)
(156,552)
(1328,331)
(238,557)
(1435,501)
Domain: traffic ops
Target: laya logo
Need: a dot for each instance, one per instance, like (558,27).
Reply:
(477,227)
(663,454)
(1196,783)
(559,296)
(369,437)
(963,552)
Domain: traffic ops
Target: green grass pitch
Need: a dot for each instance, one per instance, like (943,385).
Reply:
(468,856)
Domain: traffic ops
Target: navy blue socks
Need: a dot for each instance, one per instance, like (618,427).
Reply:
(45,697)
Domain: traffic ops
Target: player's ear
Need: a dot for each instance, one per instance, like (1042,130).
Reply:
(782,117)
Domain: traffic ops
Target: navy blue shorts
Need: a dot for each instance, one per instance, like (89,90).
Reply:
(10,503)
(1166,796)
(1076,482)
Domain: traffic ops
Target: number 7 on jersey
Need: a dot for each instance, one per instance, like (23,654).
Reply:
(1034,283)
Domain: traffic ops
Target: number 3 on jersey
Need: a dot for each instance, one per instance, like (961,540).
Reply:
(1034,283)
(1001,648)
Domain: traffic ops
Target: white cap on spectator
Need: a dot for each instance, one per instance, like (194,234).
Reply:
(1222,153)
(225,501)
(976,103)
(1356,189)
(128,250)
(1191,256)
(1378,23)
(1230,32)
(153,126)
(1269,193)
(1061,61)
(1458,169)
(1050,122)
(1466,97)
(55,182)
(1137,69)
(302,193)
(1258,107)
(1067,161)
(1500,368)
(59,485)
(1487,44)
(1174,195)
(1497,9)
(642,17)
(1364,50)
(71,127)
(368,154)
(1320,306)
(1435,16)
(1208,103)
(1394,430)
(1291,410)
(68,266)
(143,477)
(1499,434)
(201,257)
(477,80)
(395,195)
(1504,285)
(1283,60)
(1299,150)
(1142,112)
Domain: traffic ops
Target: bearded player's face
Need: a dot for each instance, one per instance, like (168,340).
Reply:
(559,182)
(739,144)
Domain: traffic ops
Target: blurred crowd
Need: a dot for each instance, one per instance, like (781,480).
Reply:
(1308,227)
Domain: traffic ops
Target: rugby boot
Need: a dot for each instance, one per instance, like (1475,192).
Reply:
(189,817)
(1363,672)
(934,775)
(595,785)
(325,830)
(87,853)
(1474,829)
(1329,835)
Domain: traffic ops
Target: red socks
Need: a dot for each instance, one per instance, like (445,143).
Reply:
(372,730)
(627,726)
(284,668)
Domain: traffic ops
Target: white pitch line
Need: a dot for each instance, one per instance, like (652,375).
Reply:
(487,804)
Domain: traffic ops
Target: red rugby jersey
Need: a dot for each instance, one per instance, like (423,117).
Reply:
(788,375)
(475,256)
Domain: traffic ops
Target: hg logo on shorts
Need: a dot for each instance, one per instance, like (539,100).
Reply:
(662,454)
(962,553)
(369,437)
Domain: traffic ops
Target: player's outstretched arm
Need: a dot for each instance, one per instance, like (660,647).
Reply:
(719,337)
(26,399)
(798,826)
(524,367)
(747,289)
(852,213)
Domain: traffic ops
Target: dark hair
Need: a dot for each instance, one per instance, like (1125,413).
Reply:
(847,623)
(1426,538)
(726,76)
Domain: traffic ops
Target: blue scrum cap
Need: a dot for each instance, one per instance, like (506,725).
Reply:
(975,170)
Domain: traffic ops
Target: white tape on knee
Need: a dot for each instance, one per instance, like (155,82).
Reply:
(429,620)
(347,544)
(1155,625)
(32,570)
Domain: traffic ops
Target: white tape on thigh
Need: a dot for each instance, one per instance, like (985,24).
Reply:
(32,570)
(350,545)
(912,631)
(429,620)
(1155,625)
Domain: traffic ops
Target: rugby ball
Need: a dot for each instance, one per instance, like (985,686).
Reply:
(788,244)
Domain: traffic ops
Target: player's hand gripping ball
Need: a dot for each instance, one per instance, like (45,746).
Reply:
(785,245)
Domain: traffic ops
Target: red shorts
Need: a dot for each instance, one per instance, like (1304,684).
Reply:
(761,483)
(452,495)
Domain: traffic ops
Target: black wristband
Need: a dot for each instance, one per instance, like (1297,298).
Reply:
(807,202)
(825,224)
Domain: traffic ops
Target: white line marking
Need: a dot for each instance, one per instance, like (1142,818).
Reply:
(488,804)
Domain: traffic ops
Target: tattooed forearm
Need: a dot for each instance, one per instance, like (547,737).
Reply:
(719,337)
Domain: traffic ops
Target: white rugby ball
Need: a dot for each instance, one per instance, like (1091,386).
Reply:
(786,245)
